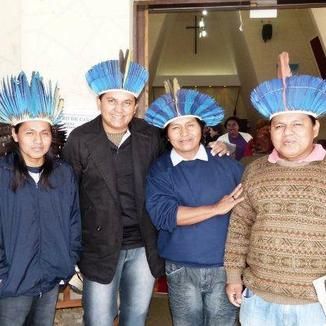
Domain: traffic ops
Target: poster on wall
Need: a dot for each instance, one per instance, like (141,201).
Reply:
(74,119)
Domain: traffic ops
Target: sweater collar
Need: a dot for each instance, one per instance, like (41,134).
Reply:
(318,154)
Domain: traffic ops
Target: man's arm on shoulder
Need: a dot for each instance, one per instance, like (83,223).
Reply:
(219,148)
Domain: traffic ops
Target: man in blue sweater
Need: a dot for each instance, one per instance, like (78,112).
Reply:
(189,196)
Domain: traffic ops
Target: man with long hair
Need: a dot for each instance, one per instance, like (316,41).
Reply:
(39,206)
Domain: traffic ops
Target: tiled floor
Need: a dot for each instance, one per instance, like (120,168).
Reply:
(158,314)
(68,317)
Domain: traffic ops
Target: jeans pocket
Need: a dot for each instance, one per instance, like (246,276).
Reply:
(247,294)
(3,281)
(173,269)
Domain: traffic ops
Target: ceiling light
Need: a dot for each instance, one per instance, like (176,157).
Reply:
(241,22)
(204,12)
(263,13)
(202,33)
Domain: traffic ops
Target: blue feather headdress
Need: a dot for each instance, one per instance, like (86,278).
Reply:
(301,94)
(183,102)
(122,75)
(23,101)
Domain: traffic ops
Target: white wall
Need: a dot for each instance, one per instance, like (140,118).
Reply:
(10,37)
(292,32)
(319,15)
(63,39)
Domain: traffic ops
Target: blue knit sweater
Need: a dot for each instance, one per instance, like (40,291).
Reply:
(191,183)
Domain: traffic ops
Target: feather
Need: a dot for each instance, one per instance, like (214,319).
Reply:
(175,90)
(59,135)
(176,87)
(122,62)
(119,74)
(303,94)
(135,79)
(189,103)
(125,72)
(283,72)
(5,138)
(168,86)
(21,101)
(284,69)
(172,88)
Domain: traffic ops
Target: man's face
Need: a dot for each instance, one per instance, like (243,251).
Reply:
(293,134)
(184,135)
(34,140)
(117,109)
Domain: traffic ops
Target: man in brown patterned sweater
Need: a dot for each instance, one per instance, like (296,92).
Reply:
(276,244)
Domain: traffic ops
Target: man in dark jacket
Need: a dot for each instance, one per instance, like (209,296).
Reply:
(111,155)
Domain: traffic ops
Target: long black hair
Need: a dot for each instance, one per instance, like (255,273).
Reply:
(20,170)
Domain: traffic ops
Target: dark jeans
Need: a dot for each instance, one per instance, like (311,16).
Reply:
(197,296)
(29,311)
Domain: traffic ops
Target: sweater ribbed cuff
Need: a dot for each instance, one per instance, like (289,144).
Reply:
(233,277)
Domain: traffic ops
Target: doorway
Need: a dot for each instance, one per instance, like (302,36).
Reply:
(228,63)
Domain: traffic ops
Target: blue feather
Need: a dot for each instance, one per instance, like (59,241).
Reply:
(302,93)
(107,76)
(163,109)
(21,100)
(189,102)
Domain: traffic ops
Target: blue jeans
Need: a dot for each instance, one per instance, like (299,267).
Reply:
(29,311)
(197,296)
(255,311)
(133,282)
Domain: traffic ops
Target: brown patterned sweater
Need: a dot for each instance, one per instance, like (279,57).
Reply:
(276,242)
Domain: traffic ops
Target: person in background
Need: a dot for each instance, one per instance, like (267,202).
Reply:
(111,156)
(39,207)
(189,195)
(276,244)
(260,145)
(212,133)
(235,137)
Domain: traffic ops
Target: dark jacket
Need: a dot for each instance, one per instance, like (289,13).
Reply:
(88,150)
(39,231)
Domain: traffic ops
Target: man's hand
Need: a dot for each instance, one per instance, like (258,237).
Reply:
(219,147)
(225,204)
(234,292)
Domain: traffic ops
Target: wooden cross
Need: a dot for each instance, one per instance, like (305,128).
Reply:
(195,27)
